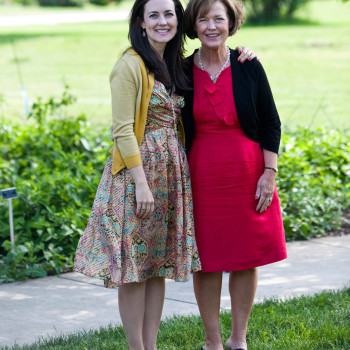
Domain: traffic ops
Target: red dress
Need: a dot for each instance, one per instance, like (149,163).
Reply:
(225,167)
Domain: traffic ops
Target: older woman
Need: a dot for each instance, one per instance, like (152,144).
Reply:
(232,134)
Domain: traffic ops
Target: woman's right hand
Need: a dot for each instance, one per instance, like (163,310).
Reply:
(144,201)
(144,197)
(265,190)
(246,53)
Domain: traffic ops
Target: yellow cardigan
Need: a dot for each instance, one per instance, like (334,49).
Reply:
(131,89)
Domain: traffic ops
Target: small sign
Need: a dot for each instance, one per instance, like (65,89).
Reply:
(9,193)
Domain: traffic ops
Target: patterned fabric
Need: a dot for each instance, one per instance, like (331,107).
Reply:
(120,248)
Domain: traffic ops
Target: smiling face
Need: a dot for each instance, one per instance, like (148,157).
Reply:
(213,28)
(160,23)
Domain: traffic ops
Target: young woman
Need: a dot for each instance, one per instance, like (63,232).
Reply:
(141,226)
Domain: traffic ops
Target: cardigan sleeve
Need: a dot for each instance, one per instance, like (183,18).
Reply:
(187,110)
(270,124)
(126,85)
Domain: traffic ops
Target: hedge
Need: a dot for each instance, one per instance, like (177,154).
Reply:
(55,163)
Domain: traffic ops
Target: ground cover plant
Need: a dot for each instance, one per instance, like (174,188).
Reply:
(55,162)
(306,62)
(313,181)
(317,322)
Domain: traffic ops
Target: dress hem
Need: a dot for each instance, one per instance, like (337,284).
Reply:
(246,266)
(111,285)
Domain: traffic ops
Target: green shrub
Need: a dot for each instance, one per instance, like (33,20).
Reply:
(56,162)
(62,3)
(55,165)
(99,2)
(25,2)
(269,10)
(313,181)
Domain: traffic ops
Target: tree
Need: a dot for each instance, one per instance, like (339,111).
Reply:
(268,10)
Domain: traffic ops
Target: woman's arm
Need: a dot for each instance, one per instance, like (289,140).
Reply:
(126,81)
(125,86)
(270,124)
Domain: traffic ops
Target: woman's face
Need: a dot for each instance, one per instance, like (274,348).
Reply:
(160,22)
(213,28)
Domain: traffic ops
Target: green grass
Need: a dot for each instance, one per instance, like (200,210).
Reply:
(317,322)
(307,62)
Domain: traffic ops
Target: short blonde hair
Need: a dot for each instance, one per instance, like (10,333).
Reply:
(197,8)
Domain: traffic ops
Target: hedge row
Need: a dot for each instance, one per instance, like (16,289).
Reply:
(56,162)
(55,165)
(65,3)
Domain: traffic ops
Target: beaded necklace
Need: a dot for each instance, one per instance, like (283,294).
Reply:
(215,76)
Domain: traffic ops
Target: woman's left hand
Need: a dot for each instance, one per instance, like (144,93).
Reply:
(246,53)
(265,190)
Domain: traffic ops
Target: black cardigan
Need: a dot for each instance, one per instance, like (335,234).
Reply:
(254,102)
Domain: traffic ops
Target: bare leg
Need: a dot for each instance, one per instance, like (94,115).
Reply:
(207,288)
(154,301)
(131,297)
(242,286)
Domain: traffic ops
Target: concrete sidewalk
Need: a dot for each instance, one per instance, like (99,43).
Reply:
(54,305)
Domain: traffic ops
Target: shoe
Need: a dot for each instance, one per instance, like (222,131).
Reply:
(203,347)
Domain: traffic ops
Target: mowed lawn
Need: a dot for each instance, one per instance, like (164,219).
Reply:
(307,64)
(319,322)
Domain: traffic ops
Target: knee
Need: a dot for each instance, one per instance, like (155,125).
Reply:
(254,270)
(150,347)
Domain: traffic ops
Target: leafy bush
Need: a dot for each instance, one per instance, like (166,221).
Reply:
(56,162)
(99,2)
(268,10)
(62,3)
(55,166)
(25,2)
(313,181)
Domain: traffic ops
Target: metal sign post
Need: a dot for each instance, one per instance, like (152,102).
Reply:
(8,194)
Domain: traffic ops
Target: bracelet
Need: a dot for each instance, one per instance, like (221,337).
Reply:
(269,168)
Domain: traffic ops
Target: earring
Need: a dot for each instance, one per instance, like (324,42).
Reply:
(143,33)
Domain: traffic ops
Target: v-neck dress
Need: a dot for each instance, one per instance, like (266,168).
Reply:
(225,167)
(120,248)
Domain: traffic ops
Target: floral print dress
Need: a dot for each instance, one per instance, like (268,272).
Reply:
(120,248)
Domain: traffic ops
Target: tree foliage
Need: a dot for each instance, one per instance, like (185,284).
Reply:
(269,10)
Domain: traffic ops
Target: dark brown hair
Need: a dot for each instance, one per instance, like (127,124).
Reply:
(197,8)
(168,70)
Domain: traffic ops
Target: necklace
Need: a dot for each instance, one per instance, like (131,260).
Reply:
(215,76)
